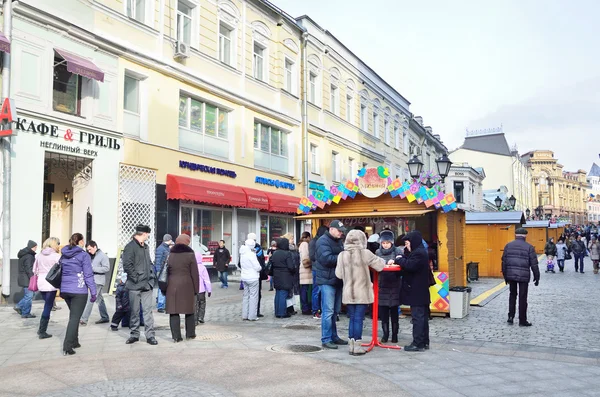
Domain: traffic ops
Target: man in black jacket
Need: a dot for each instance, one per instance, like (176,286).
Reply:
(221,259)
(316,292)
(518,261)
(415,288)
(141,279)
(26,259)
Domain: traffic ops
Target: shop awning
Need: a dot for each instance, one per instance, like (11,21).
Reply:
(283,203)
(182,188)
(256,199)
(81,66)
(378,214)
(4,43)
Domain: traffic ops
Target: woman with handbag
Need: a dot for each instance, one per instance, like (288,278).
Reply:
(284,272)
(43,263)
(77,279)
(182,286)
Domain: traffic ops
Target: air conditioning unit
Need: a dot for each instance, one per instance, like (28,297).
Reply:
(182,50)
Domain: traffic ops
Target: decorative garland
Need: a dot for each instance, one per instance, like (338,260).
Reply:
(412,191)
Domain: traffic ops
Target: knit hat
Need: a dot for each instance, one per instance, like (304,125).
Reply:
(183,239)
(167,237)
(386,235)
(373,238)
(31,244)
(521,232)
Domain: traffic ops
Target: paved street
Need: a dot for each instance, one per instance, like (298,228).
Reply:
(477,356)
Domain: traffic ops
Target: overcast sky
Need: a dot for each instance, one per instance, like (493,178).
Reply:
(531,65)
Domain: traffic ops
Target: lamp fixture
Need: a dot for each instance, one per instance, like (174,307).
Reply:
(498,202)
(67,196)
(415,166)
(512,201)
(443,166)
(527,212)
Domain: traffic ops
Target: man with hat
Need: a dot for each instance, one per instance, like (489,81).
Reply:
(141,279)
(26,259)
(518,261)
(160,258)
(328,247)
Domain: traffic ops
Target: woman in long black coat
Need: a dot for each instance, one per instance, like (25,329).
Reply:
(283,271)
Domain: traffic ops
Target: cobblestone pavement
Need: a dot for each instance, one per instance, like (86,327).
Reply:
(477,356)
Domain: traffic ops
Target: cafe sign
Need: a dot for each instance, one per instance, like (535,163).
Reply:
(372,182)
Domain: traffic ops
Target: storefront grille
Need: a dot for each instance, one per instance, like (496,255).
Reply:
(137,202)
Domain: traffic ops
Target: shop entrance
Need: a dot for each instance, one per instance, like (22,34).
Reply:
(68,197)
(246,223)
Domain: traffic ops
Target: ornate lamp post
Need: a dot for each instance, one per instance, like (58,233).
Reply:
(498,202)
(512,201)
(443,166)
(415,166)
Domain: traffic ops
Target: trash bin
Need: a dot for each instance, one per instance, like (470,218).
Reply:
(460,298)
(472,271)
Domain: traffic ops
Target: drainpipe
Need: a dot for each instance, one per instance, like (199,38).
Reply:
(305,109)
(6,159)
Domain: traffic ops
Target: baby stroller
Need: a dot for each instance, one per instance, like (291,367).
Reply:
(550,266)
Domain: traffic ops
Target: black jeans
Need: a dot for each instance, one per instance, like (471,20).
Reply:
(512,300)
(76,304)
(385,312)
(190,326)
(420,317)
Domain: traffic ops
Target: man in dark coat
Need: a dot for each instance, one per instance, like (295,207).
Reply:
(329,247)
(578,248)
(141,279)
(160,258)
(221,259)
(518,261)
(26,259)
(312,254)
(415,288)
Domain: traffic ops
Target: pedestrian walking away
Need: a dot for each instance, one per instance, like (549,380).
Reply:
(221,260)
(141,279)
(306,278)
(390,284)
(205,288)
(182,288)
(312,254)
(26,259)
(43,263)
(519,260)
(561,252)
(594,248)
(77,281)
(160,258)
(328,247)
(353,269)
(415,288)
(100,267)
(250,277)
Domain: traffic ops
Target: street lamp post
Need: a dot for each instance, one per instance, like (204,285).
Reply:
(415,166)
(527,212)
(512,201)
(443,166)
(498,202)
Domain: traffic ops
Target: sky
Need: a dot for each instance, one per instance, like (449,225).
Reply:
(532,66)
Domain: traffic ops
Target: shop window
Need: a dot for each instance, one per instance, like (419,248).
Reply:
(206,227)
(203,127)
(459,192)
(270,148)
(66,95)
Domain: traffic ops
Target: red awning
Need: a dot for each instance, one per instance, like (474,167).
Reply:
(81,66)
(4,43)
(256,199)
(283,203)
(182,188)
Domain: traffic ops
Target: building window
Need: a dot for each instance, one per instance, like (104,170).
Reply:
(363,117)
(259,62)
(136,9)
(289,77)
(184,22)
(405,144)
(203,127)
(314,159)
(335,100)
(206,227)
(386,131)
(335,167)
(66,95)
(458,192)
(349,108)
(375,124)
(131,106)
(270,148)
(225,46)
(312,88)
(351,168)
(397,137)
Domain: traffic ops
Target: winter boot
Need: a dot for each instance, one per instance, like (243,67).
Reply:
(351,346)
(358,349)
(395,327)
(43,327)
(385,327)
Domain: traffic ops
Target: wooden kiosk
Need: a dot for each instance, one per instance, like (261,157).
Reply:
(537,234)
(486,235)
(554,232)
(386,207)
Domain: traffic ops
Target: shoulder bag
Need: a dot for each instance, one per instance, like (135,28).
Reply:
(54,276)
(163,278)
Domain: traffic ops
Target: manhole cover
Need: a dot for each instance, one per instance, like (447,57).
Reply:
(216,337)
(300,327)
(294,349)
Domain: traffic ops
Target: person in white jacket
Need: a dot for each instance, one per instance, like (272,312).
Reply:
(250,277)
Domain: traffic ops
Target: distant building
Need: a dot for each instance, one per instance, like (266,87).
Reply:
(593,204)
(490,151)
(466,183)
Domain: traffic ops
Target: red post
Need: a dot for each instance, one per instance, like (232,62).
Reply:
(374,339)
